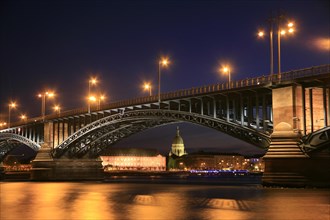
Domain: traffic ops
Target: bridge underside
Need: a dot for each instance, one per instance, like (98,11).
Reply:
(89,141)
(9,141)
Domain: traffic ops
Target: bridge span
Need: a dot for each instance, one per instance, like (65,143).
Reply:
(270,112)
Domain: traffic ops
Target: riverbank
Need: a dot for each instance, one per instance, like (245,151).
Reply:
(174,177)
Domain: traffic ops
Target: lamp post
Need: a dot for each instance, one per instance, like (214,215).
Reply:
(271,43)
(43,102)
(101,98)
(163,62)
(10,107)
(57,109)
(227,71)
(23,117)
(280,31)
(147,87)
(91,82)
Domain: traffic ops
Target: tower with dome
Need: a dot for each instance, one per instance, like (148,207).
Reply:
(177,145)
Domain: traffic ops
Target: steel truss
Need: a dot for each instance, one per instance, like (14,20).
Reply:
(93,138)
(9,140)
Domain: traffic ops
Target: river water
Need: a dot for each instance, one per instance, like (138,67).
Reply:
(135,201)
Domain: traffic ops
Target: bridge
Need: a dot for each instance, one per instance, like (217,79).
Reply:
(270,112)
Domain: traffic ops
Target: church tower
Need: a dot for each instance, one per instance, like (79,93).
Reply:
(177,145)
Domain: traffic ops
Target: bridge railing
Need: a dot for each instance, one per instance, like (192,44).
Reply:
(261,80)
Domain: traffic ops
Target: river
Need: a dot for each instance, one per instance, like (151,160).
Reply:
(135,201)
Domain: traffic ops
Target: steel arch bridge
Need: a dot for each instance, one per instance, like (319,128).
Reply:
(92,139)
(243,109)
(9,140)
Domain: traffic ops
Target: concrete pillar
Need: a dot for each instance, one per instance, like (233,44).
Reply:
(60,132)
(234,111)
(264,112)
(214,108)
(66,130)
(242,109)
(324,93)
(257,111)
(48,134)
(318,109)
(227,108)
(43,164)
(56,134)
(284,160)
(328,101)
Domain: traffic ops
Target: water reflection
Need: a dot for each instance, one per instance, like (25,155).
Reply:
(91,201)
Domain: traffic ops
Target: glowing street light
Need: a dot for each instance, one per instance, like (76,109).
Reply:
(280,32)
(97,99)
(2,124)
(147,87)
(11,106)
(101,98)
(43,102)
(261,34)
(163,62)
(91,81)
(226,70)
(23,117)
(57,109)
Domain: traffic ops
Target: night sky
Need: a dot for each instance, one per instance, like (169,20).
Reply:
(59,45)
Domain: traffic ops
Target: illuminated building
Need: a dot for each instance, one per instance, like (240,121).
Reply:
(217,161)
(177,145)
(177,150)
(133,159)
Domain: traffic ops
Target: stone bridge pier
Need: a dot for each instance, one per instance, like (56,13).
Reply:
(285,162)
(45,167)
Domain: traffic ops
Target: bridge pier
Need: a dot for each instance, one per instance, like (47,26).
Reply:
(285,163)
(284,160)
(45,168)
(43,165)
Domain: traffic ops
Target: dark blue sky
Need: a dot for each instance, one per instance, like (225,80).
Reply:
(59,44)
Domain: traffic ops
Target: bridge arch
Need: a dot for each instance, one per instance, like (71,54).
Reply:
(93,138)
(9,140)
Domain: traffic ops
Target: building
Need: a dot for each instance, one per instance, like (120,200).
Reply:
(177,145)
(133,159)
(177,150)
(218,161)
(178,159)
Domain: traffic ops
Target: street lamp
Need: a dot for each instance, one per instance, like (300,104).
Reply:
(163,62)
(23,117)
(280,31)
(43,102)
(101,98)
(147,86)
(91,81)
(226,70)
(11,106)
(57,109)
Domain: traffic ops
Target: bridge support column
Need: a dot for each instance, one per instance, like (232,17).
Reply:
(285,163)
(46,168)
(43,164)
